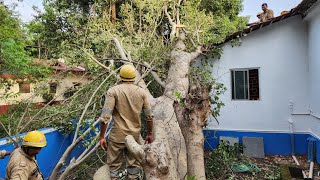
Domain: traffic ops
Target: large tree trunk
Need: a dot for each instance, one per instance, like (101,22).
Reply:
(168,136)
(166,157)
(192,114)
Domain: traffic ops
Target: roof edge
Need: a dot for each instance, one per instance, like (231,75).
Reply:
(301,9)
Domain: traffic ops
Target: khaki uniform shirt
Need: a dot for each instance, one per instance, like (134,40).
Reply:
(22,167)
(265,16)
(125,103)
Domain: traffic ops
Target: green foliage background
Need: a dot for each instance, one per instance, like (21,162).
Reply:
(75,29)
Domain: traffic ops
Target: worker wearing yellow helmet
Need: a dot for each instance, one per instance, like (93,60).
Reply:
(22,164)
(124,102)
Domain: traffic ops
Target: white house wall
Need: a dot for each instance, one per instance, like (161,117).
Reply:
(279,51)
(314,58)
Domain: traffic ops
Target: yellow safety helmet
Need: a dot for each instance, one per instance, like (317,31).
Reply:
(127,73)
(34,139)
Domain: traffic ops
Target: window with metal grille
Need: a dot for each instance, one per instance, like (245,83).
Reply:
(245,84)
(24,87)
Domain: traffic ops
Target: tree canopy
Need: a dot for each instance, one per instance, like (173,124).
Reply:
(14,59)
(67,27)
(165,37)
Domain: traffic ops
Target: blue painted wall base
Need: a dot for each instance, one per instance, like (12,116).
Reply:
(275,143)
(49,155)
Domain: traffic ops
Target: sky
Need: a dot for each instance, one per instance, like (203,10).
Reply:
(250,7)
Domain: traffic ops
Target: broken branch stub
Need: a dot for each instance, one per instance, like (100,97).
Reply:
(153,158)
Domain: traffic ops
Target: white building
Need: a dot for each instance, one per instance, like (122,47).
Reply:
(273,76)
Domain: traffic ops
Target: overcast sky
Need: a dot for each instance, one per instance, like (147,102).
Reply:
(251,7)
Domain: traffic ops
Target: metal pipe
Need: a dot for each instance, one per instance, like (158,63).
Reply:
(311,169)
(292,145)
(297,162)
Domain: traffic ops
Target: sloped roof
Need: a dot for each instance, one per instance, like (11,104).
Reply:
(61,66)
(301,9)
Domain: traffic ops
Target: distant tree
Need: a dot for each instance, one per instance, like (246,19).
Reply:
(168,39)
(14,59)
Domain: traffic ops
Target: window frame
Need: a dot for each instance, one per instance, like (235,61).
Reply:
(232,83)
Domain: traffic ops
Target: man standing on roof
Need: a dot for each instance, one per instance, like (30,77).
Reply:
(267,14)
(124,103)
(22,164)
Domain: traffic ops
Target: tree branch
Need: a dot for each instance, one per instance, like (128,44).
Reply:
(89,102)
(135,148)
(155,75)
(5,129)
(173,24)
(63,158)
(120,49)
(126,60)
(196,54)
(46,105)
(92,58)
(168,16)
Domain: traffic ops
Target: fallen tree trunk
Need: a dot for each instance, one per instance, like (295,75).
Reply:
(166,157)
(169,145)
(192,113)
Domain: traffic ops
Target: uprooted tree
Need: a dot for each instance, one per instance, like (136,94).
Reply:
(169,42)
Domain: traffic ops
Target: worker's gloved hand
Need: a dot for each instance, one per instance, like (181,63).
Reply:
(148,138)
(103,144)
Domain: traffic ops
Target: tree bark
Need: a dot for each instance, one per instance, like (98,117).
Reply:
(166,157)
(113,12)
(192,114)
(168,134)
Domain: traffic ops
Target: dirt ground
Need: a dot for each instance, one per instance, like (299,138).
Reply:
(288,160)
(266,165)
(270,164)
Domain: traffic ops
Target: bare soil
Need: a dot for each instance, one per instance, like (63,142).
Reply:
(270,164)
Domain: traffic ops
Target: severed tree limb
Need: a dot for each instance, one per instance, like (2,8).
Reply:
(89,102)
(6,131)
(168,16)
(135,148)
(155,75)
(74,163)
(172,23)
(94,59)
(63,158)
(46,105)
(120,49)
(77,140)
(155,158)
(126,60)
(84,156)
